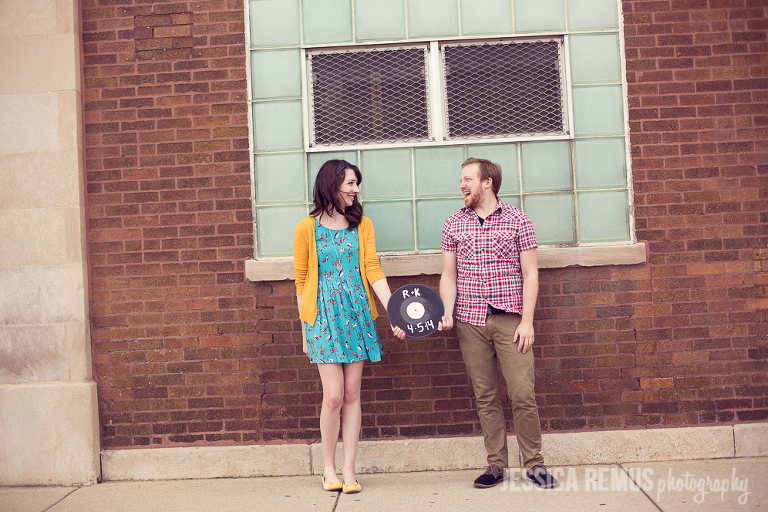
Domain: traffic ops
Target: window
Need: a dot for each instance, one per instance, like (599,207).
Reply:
(504,89)
(436,93)
(408,93)
(368,96)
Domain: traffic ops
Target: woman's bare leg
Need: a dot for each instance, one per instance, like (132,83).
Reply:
(351,417)
(332,377)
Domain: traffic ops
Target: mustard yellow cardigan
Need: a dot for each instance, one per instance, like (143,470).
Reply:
(305,265)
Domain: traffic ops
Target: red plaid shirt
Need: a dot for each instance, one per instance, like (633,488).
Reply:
(488,260)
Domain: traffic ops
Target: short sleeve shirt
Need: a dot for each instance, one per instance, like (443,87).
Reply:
(488,260)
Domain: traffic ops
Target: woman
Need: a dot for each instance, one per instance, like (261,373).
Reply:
(336,268)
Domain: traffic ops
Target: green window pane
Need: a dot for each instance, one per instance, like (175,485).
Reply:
(278,125)
(393,224)
(430,217)
(326,21)
(276,74)
(552,216)
(512,200)
(546,166)
(486,17)
(539,15)
(386,174)
(595,58)
(275,227)
(603,216)
(598,110)
(379,20)
(592,14)
(316,160)
(279,178)
(506,156)
(438,170)
(600,163)
(274,23)
(433,18)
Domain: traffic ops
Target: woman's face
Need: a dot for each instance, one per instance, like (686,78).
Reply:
(349,189)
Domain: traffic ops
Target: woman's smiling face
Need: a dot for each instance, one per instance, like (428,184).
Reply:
(349,187)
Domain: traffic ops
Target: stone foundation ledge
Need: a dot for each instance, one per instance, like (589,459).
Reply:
(49,434)
(436,454)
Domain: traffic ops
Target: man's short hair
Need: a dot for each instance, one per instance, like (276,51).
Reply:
(488,169)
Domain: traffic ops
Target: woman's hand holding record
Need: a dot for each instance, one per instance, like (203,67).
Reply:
(416,308)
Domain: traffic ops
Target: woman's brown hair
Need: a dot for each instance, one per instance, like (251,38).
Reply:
(326,193)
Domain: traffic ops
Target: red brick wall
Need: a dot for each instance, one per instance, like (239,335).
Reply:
(168,192)
(187,351)
(697,75)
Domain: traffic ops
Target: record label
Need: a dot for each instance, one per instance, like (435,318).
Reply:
(415,308)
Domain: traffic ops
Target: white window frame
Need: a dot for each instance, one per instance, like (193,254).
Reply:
(436,95)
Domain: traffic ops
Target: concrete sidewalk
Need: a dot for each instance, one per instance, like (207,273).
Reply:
(734,484)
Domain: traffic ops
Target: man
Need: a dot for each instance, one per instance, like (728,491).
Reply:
(490,276)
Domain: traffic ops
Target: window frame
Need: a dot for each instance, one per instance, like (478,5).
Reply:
(630,252)
(308,103)
(436,93)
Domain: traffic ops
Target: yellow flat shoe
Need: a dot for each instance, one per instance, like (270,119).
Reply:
(353,488)
(333,486)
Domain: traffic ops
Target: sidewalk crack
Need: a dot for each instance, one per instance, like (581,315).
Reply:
(62,499)
(637,484)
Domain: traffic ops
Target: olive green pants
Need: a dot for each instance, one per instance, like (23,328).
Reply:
(481,348)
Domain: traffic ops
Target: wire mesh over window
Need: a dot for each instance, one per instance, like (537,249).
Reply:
(504,89)
(368,96)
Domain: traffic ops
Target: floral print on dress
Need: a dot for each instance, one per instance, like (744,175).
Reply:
(344,331)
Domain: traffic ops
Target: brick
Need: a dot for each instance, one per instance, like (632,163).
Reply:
(649,330)
(173,31)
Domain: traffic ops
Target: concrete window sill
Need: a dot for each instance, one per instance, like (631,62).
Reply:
(280,269)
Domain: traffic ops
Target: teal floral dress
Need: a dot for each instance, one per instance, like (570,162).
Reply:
(344,331)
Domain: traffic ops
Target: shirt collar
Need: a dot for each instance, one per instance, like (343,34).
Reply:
(469,212)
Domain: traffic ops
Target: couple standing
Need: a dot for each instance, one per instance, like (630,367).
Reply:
(489,280)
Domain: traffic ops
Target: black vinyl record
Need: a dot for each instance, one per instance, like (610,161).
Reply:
(415,308)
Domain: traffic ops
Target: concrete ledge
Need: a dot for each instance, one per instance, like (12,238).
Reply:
(751,439)
(50,434)
(619,446)
(206,462)
(435,454)
(280,269)
(405,455)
